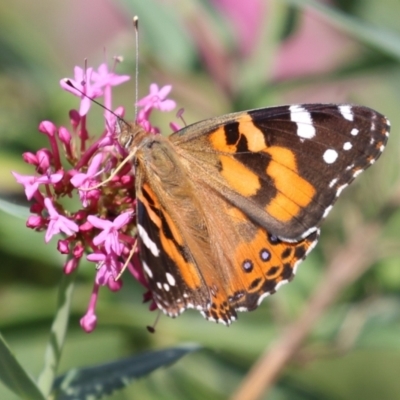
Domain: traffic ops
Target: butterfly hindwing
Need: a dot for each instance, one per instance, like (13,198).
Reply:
(250,263)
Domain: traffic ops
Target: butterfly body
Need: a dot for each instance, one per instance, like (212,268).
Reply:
(228,207)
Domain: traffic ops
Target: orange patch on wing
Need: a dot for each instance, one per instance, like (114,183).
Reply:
(174,230)
(152,215)
(251,251)
(272,269)
(239,178)
(218,141)
(255,137)
(293,192)
(186,269)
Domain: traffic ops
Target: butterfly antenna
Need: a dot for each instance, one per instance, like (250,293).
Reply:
(69,83)
(136,27)
(152,328)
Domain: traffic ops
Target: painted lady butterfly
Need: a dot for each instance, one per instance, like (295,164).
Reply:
(227,208)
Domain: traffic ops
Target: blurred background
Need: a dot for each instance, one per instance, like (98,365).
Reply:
(220,56)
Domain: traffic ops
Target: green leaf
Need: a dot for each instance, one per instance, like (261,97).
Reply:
(162,29)
(99,381)
(57,333)
(13,375)
(384,40)
(14,209)
(257,68)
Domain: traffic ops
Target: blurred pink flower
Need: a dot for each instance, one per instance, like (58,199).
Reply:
(246,18)
(314,47)
(82,81)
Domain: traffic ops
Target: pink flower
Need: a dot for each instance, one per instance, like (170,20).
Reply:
(157,99)
(109,235)
(63,246)
(103,77)
(84,181)
(58,223)
(89,320)
(44,160)
(35,222)
(246,18)
(48,128)
(108,267)
(82,81)
(106,239)
(31,183)
(71,265)
(64,136)
(30,158)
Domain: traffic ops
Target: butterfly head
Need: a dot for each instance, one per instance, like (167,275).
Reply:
(129,134)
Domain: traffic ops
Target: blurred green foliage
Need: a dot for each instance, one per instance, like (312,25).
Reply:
(354,351)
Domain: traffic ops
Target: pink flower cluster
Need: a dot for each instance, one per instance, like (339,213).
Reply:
(104,225)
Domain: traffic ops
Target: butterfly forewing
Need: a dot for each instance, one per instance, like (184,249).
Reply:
(285,166)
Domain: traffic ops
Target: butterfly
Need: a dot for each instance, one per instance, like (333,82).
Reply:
(227,208)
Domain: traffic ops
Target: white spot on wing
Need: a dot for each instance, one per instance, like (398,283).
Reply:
(307,232)
(333,182)
(262,297)
(147,270)
(354,131)
(347,146)
(346,112)
(298,262)
(281,283)
(339,190)
(170,279)
(305,127)
(330,156)
(327,211)
(147,241)
(166,287)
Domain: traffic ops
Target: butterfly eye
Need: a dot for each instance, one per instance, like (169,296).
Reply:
(126,141)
